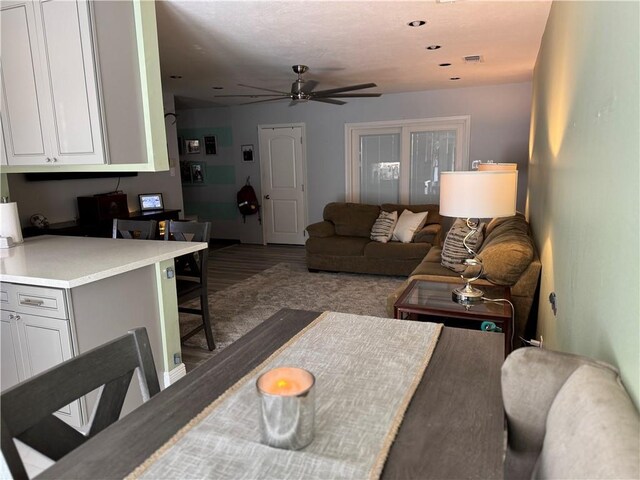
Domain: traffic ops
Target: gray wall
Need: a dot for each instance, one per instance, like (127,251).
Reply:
(500,118)
(56,199)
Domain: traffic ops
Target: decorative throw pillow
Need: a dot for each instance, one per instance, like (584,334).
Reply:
(383,227)
(453,251)
(408,224)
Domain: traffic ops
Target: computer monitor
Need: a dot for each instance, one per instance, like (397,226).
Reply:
(150,201)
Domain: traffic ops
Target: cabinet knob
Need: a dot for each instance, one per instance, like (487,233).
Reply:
(48,160)
(55,159)
(18,317)
(11,316)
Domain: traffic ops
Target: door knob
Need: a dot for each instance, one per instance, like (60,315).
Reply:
(267,197)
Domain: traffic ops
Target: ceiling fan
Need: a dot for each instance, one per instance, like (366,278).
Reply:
(303,90)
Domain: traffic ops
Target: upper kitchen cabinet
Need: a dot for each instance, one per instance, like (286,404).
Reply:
(80,85)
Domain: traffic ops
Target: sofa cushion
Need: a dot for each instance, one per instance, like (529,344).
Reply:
(408,224)
(453,250)
(427,234)
(351,219)
(396,250)
(382,229)
(592,429)
(517,221)
(507,250)
(434,211)
(337,245)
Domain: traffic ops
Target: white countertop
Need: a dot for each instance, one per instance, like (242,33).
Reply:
(67,262)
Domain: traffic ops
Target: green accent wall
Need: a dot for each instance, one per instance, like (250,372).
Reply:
(213,210)
(220,175)
(583,199)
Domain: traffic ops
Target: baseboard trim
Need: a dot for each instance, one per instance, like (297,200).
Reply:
(174,375)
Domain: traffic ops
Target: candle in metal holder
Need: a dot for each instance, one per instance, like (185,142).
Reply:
(287,407)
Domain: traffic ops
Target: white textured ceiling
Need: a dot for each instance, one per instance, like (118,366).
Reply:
(223,43)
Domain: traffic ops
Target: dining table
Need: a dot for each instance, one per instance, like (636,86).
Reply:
(452,428)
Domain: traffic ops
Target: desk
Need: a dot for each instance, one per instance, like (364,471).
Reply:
(99,229)
(453,427)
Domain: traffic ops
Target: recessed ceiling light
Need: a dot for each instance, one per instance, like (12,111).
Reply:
(416,23)
(444,65)
(217,88)
(175,76)
(433,47)
(454,78)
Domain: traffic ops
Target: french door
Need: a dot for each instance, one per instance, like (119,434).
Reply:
(401,162)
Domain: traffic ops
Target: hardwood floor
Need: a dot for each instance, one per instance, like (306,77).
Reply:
(233,264)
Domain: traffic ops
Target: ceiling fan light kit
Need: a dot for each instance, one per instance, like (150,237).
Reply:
(304,90)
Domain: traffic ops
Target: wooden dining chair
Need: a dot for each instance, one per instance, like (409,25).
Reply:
(27,408)
(134,229)
(191,274)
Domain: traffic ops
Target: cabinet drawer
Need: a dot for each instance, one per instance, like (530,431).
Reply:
(7,298)
(45,302)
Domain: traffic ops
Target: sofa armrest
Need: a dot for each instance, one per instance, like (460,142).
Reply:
(531,378)
(428,234)
(321,229)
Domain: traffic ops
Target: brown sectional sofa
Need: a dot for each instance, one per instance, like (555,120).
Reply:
(341,242)
(509,257)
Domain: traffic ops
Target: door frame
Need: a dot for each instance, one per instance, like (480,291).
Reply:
(305,189)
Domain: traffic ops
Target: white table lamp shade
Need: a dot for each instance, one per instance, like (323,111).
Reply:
(492,167)
(487,194)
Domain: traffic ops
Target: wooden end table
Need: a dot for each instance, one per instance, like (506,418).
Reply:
(429,301)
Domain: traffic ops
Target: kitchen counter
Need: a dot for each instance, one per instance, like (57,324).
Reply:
(68,262)
(62,296)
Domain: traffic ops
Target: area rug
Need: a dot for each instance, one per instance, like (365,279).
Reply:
(241,307)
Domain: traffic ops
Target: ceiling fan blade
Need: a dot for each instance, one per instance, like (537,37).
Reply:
(262,101)
(327,100)
(253,96)
(308,86)
(352,95)
(265,89)
(328,93)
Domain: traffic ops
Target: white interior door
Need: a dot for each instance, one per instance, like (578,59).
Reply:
(282,166)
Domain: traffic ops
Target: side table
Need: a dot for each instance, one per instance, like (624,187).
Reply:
(431,302)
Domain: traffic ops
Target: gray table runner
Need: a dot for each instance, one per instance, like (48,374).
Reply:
(366,370)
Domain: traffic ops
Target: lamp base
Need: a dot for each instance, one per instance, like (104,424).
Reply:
(467,295)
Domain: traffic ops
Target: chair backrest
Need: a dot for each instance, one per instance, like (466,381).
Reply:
(27,408)
(134,229)
(193,264)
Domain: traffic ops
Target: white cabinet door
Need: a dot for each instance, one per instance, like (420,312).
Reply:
(51,111)
(67,48)
(45,343)
(11,357)
(22,87)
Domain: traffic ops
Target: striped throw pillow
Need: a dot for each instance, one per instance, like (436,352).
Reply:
(453,251)
(383,227)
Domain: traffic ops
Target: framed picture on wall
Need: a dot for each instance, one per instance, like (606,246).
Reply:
(193,146)
(247,153)
(197,173)
(210,145)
